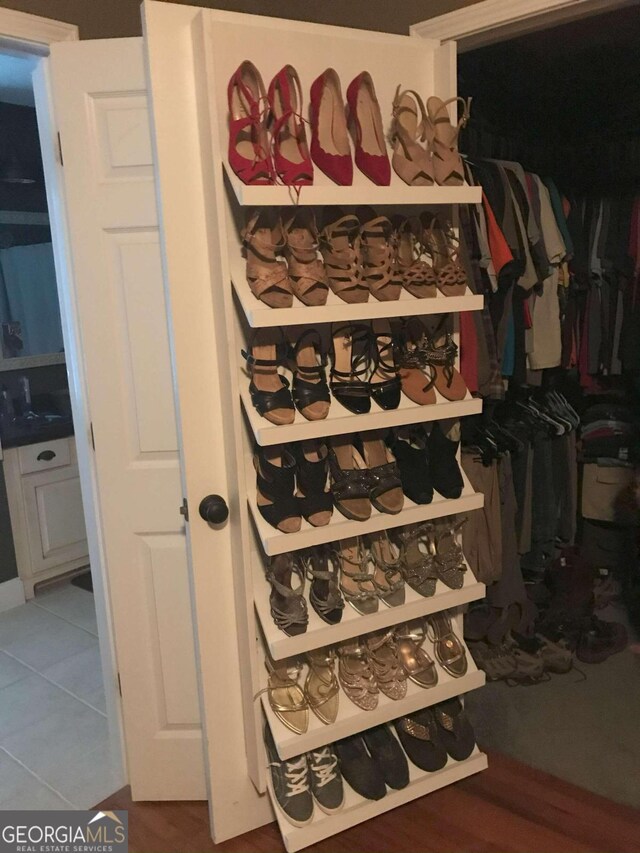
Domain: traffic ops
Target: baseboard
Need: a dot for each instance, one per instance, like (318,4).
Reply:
(11,594)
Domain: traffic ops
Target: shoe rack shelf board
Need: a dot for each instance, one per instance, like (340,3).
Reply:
(260,315)
(340,420)
(353,624)
(325,192)
(351,719)
(357,809)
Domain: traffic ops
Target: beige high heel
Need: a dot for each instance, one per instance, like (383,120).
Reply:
(443,140)
(306,270)
(410,160)
(379,266)
(341,252)
(442,244)
(263,242)
(321,687)
(417,274)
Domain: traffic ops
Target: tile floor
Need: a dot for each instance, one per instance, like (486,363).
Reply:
(54,750)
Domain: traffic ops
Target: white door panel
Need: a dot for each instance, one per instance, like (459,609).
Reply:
(102,114)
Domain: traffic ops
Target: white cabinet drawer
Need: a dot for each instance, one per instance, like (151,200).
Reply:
(43,456)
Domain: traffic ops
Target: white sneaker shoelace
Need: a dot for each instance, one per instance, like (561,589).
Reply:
(323,764)
(297,775)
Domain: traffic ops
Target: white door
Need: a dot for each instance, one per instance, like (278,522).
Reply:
(101,111)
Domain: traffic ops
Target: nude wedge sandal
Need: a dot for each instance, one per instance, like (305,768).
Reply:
(379,258)
(410,159)
(441,243)
(341,250)
(267,274)
(443,140)
(413,263)
(306,270)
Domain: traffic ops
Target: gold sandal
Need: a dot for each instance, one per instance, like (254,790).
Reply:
(321,687)
(387,577)
(449,651)
(355,675)
(386,668)
(417,664)
(286,697)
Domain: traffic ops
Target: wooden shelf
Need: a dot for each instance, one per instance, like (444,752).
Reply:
(352,719)
(340,420)
(260,315)
(353,624)
(357,809)
(274,542)
(362,191)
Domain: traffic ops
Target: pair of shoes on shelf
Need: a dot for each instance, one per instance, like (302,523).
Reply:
(430,736)
(425,142)
(369,572)
(363,366)
(292,484)
(267,137)
(427,458)
(291,701)
(426,360)
(372,761)
(430,552)
(298,783)
(271,393)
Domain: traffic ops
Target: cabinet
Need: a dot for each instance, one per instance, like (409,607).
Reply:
(45,503)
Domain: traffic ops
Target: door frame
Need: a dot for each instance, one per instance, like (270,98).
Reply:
(492,21)
(33,35)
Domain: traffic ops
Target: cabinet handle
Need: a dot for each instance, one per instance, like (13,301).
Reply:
(46,456)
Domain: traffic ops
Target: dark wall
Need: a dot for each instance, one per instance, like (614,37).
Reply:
(8,568)
(19,139)
(113,18)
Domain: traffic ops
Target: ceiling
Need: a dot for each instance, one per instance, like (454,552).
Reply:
(15,79)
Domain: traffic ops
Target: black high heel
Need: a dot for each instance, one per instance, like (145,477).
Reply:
(384,385)
(409,446)
(275,474)
(314,498)
(310,389)
(269,390)
(350,364)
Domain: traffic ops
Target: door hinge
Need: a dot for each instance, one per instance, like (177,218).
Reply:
(93,438)
(60,149)
(119,685)
(184,509)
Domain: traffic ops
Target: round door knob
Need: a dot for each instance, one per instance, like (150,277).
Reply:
(213,509)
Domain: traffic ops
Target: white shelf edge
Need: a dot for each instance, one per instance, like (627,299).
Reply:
(261,316)
(275,542)
(357,809)
(340,420)
(325,192)
(352,719)
(353,624)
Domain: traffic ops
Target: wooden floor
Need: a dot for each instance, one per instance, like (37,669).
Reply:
(509,808)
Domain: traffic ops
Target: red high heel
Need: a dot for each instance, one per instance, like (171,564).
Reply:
(249,155)
(290,152)
(330,149)
(365,123)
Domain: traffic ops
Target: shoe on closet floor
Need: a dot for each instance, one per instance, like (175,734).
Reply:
(291,783)
(325,779)
(454,729)
(388,755)
(359,769)
(599,640)
(420,739)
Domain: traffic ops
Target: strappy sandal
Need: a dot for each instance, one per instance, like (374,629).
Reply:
(286,697)
(379,268)
(263,244)
(269,390)
(417,664)
(350,479)
(449,651)
(443,140)
(454,729)
(249,152)
(410,160)
(288,606)
(312,493)
(291,157)
(350,366)
(417,378)
(355,675)
(386,668)
(418,564)
(417,274)
(420,739)
(275,475)
(306,270)
(341,252)
(321,568)
(356,582)
(321,687)
(310,389)
(385,485)
(387,577)
(384,384)
(441,243)
(439,352)
(448,555)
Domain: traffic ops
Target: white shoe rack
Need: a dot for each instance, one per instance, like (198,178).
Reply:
(221,43)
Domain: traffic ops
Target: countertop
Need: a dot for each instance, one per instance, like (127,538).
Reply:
(33,432)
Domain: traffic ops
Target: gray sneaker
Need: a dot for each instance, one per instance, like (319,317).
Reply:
(290,780)
(326,781)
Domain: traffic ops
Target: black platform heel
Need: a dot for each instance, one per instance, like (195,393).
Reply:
(350,366)
(310,389)
(315,502)
(384,385)
(276,471)
(269,390)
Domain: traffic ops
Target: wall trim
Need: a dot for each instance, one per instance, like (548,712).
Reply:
(493,21)
(11,594)
(34,31)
